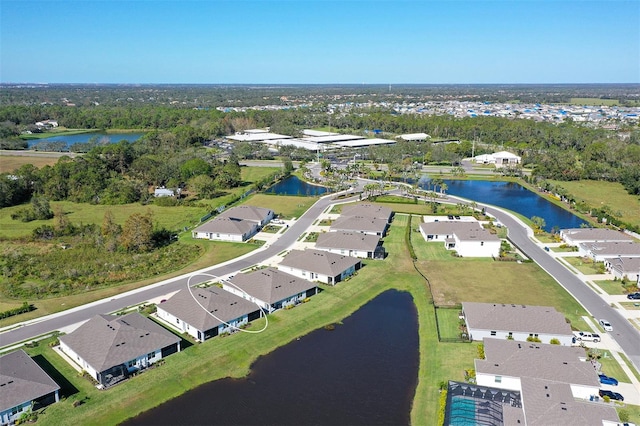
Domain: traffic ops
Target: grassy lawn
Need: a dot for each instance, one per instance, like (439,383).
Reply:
(614,195)
(612,368)
(285,206)
(610,286)
(254,174)
(584,265)
(563,249)
(453,280)
(59,131)
(633,306)
(9,163)
(448,323)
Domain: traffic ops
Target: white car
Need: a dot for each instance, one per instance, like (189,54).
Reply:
(605,324)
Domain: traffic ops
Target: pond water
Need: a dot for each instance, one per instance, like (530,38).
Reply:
(362,373)
(515,197)
(294,186)
(85,137)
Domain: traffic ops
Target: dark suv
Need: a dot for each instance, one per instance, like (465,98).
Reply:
(610,394)
(633,296)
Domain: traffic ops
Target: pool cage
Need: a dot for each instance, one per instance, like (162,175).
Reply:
(470,404)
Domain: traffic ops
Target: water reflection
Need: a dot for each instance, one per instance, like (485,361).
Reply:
(362,373)
(294,186)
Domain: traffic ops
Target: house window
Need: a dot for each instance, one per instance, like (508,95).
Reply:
(493,333)
(498,379)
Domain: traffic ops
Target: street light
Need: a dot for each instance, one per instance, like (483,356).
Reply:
(354,158)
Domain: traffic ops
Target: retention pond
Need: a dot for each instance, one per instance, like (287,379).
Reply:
(364,372)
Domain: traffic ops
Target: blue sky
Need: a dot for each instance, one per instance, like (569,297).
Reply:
(320,42)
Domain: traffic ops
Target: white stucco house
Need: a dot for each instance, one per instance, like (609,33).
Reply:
(468,239)
(517,322)
(319,265)
(599,251)
(207,312)
(624,267)
(24,386)
(350,244)
(576,236)
(164,192)
(110,347)
(508,362)
(237,224)
(270,288)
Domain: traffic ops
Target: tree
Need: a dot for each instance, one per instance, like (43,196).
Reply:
(109,226)
(137,233)
(538,223)
(41,208)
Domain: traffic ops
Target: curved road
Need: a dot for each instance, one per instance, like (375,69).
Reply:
(625,334)
(57,321)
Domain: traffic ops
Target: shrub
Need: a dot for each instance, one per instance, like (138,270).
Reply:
(442,409)
(533,339)
(481,354)
(554,341)
(26,307)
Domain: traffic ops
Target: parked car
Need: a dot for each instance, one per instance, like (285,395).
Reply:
(606,325)
(612,395)
(587,337)
(606,380)
(633,296)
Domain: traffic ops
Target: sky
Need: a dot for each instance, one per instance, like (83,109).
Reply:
(320,41)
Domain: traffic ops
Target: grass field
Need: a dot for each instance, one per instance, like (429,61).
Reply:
(454,280)
(611,194)
(611,287)
(9,163)
(58,131)
(285,206)
(594,101)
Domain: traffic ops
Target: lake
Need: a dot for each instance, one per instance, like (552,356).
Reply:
(515,197)
(85,137)
(294,186)
(364,372)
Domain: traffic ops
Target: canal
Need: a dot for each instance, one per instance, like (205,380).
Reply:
(364,372)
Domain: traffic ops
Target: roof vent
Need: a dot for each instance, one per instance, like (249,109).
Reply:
(547,395)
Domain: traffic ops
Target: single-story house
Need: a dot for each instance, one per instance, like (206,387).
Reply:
(207,312)
(517,322)
(508,361)
(24,386)
(505,159)
(367,210)
(110,347)
(575,236)
(350,244)
(360,224)
(226,229)
(259,215)
(270,288)
(468,239)
(601,250)
(624,267)
(549,402)
(164,192)
(319,265)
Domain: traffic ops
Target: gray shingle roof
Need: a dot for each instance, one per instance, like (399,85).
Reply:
(271,285)
(537,360)
(625,264)
(225,225)
(373,211)
(251,213)
(595,234)
(359,223)
(106,340)
(627,248)
(22,380)
(320,262)
(348,241)
(515,318)
(465,231)
(551,403)
(222,304)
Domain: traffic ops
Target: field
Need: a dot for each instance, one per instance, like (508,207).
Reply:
(594,101)
(9,163)
(596,193)
(453,280)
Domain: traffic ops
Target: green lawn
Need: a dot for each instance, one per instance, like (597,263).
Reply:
(611,194)
(594,101)
(584,265)
(448,323)
(611,286)
(453,279)
(612,368)
(285,206)
(254,174)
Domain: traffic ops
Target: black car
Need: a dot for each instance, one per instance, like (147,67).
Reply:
(610,394)
(633,296)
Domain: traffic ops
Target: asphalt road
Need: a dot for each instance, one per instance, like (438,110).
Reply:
(625,334)
(64,319)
